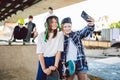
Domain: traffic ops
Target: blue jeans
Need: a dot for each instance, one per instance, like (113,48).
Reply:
(49,61)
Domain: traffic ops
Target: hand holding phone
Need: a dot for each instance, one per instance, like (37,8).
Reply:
(85,16)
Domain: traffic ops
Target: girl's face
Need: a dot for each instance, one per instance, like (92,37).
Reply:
(54,24)
(67,28)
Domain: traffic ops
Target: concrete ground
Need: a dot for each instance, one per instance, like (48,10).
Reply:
(19,62)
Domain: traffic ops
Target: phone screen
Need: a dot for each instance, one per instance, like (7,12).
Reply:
(84,15)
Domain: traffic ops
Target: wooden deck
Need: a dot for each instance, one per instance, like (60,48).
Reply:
(97,44)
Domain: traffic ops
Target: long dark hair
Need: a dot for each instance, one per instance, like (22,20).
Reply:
(49,29)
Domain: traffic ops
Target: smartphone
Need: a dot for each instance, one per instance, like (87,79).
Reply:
(85,16)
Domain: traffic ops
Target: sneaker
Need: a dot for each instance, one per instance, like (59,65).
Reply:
(33,41)
(14,40)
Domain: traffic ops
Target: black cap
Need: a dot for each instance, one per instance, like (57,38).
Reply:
(66,20)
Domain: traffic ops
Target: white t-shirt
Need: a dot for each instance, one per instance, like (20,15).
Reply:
(49,48)
(72,52)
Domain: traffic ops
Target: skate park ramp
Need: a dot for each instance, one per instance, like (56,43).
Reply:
(18,62)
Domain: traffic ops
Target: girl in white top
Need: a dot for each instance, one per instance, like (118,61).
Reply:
(49,47)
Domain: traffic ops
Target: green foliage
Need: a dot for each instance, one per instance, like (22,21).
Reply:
(115,25)
(112,25)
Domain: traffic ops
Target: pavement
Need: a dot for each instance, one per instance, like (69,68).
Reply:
(20,63)
(102,67)
(105,69)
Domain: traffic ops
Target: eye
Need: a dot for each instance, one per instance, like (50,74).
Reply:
(65,26)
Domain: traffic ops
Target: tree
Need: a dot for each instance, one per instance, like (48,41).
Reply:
(115,25)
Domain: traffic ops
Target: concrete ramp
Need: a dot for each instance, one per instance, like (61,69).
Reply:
(18,62)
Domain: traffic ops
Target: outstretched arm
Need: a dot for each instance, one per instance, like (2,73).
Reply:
(88,29)
(91,22)
(12,35)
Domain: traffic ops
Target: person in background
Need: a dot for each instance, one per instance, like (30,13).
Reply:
(50,10)
(19,31)
(32,31)
(49,47)
(73,48)
(50,13)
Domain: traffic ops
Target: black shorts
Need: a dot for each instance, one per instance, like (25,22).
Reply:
(32,35)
